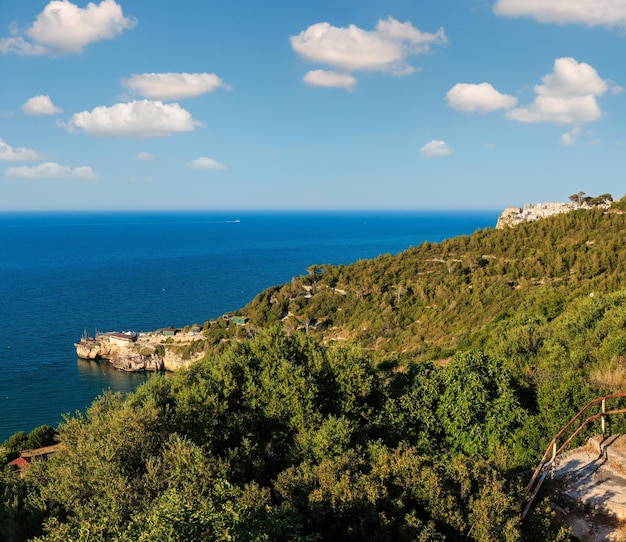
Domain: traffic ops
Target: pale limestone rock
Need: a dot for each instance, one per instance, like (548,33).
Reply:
(512,216)
(534,211)
(147,355)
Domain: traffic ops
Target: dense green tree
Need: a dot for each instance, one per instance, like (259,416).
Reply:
(479,407)
(41,436)
(15,443)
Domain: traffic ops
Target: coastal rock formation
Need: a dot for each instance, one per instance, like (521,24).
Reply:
(90,349)
(512,216)
(138,352)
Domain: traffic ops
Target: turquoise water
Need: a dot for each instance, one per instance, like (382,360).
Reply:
(62,273)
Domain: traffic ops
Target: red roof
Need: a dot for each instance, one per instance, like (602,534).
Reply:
(20,463)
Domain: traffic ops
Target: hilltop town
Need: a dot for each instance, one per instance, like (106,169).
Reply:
(512,216)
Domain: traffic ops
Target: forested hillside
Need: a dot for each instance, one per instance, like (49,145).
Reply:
(432,299)
(393,399)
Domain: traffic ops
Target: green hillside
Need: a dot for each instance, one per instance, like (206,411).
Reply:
(401,398)
(433,299)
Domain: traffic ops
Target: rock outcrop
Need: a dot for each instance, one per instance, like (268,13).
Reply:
(146,352)
(512,216)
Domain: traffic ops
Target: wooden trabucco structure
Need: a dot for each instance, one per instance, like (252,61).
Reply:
(548,461)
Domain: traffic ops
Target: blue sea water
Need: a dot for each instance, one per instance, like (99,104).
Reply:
(63,273)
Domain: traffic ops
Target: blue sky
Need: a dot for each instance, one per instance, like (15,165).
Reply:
(342,104)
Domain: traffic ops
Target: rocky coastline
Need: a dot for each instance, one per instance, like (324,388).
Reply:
(128,351)
(172,349)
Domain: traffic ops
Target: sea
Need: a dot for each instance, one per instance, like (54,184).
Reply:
(66,273)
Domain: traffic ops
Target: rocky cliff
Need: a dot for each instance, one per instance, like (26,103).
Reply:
(532,211)
(147,352)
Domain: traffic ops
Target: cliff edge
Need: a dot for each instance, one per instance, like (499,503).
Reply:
(512,216)
(141,351)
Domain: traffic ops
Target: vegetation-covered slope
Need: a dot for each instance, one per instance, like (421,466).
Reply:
(278,438)
(392,399)
(433,299)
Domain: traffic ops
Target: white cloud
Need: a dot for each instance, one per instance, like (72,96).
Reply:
(20,154)
(19,46)
(139,119)
(571,78)
(205,163)
(174,86)
(482,98)
(51,170)
(435,149)
(40,105)
(570,137)
(329,79)
(567,95)
(144,156)
(63,27)
(566,110)
(589,12)
(385,49)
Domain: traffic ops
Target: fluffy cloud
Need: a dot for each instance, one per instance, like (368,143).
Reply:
(560,110)
(63,27)
(174,86)
(589,12)
(146,156)
(570,137)
(329,79)
(51,170)
(350,49)
(435,149)
(20,46)
(40,105)
(567,95)
(21,154)
(205,163)
(139,119)
(482,98)
(571,78)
